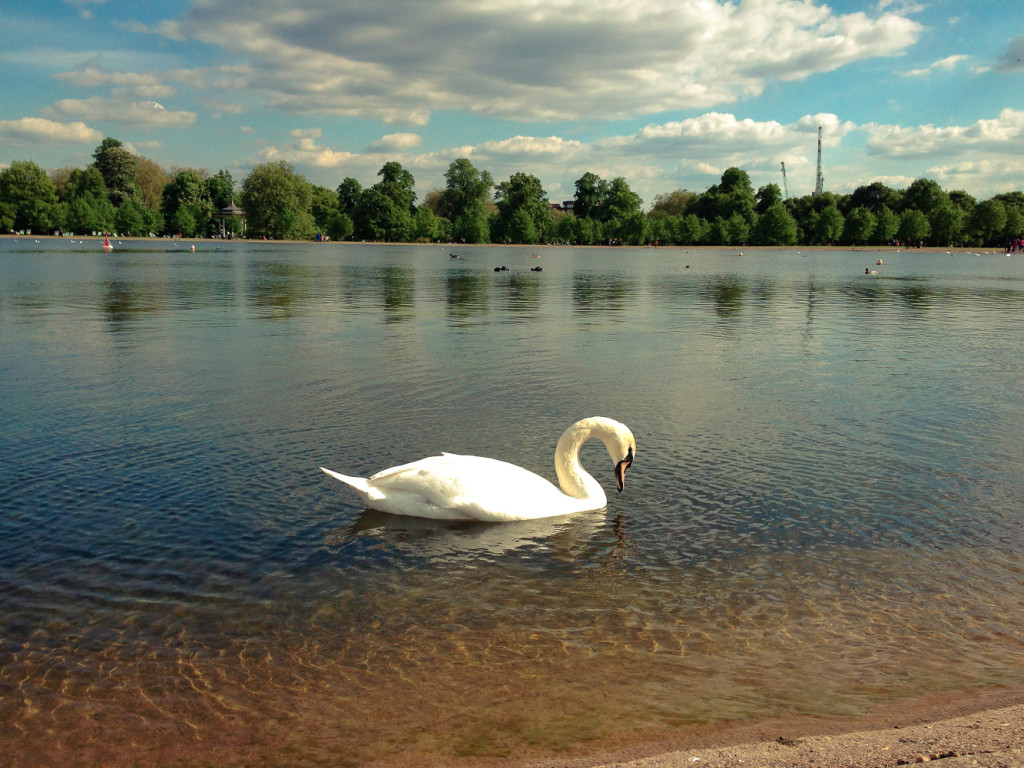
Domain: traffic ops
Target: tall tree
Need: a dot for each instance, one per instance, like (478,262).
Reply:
(914,227)
(874,196)
(620,202)
(767,196)
(829,226)
(989,222)
(887,223)
(88,207)
(776,226)
(277,202)
(673,203)
(119,169)
(150,180)
(924,195)
(349,193)
(860,225)
(385,211)
(464,200)
(28,199)
(323,205)
(522,192)
(946,223)
(186,205)
(591,191)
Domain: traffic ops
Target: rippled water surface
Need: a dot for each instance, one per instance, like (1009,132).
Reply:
(825,511)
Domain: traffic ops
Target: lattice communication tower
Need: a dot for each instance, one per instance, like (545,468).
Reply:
(819,185)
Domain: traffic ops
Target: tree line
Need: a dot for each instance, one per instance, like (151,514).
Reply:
(124,193)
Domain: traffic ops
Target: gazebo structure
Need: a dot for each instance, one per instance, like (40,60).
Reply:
(229,212)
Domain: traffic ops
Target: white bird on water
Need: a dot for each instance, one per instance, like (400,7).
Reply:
(455,487)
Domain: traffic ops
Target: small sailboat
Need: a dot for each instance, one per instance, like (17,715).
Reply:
(106,245)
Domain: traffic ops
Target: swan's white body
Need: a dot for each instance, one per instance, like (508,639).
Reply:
(454,487)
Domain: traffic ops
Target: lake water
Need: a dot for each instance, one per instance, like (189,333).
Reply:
(825,512)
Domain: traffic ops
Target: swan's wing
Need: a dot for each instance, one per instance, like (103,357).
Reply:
(474,487)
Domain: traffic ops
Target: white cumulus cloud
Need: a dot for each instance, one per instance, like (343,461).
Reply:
(37,130)
(397,61)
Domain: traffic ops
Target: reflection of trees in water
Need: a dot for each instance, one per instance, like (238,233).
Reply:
(522,292)
(466,293)
(728,293)
(610,292)
(397,290)
(278,288)
(125,302)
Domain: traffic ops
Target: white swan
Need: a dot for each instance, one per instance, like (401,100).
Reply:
(454,487)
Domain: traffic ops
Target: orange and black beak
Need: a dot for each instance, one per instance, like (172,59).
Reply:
(620,470)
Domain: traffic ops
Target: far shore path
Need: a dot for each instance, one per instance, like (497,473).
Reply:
(451,247)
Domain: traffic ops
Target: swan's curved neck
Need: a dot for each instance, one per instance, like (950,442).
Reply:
(574,480)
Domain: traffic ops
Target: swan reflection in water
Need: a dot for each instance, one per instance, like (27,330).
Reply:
(582,536)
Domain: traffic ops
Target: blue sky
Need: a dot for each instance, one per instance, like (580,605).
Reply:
(665,93)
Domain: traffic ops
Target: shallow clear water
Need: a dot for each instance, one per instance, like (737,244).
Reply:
(825,511)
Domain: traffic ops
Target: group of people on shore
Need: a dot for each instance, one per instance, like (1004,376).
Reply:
(1015,244)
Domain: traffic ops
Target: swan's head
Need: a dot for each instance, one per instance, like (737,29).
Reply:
(617,439)
(621,445)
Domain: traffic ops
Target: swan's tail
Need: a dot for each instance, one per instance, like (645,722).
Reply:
(358,483)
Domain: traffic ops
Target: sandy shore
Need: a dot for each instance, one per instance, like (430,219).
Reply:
(990,738)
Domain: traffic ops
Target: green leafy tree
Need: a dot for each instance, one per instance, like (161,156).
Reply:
(119,169)
(340,226)
(150,180)
(591,191)
(829,226)
(220,189)
(989,222)
(914,227)
(385,210)
(887,223)
(88,207)
(131,219)
(631,229)
(464,200)
(719,232)
(874,197)
(186,205)
(427,226)
(673,203)
(1013,202)
(565,229)
(522,192)
(620,202)
(947,224)
(521,228)
(350,192)
(693,230)
(733,195)
(28,198)
(587,231)
(739,229)
(277,202)
(924,195)
(398,184)
(379,217)
(767,196)
(776,226)
(859,226)
(323,205)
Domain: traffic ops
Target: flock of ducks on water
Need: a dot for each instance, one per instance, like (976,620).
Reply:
(505,268)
